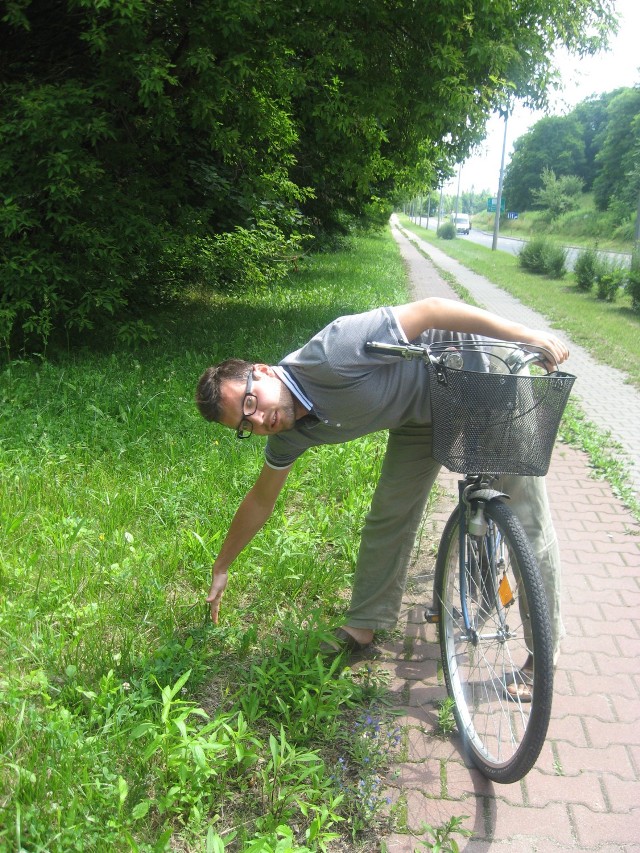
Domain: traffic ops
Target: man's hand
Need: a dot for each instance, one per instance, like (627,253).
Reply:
(214,598)
(551,346)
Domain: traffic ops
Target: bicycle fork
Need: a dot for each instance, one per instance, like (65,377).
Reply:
(472,500)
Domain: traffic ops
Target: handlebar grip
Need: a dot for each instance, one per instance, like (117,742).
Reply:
(399,350)
(383,349)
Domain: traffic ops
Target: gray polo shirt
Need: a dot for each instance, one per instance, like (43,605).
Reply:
(351,392)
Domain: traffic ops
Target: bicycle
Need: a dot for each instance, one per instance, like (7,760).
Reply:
(491,418)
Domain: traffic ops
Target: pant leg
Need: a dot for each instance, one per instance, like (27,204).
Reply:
(528,499)
(407,476)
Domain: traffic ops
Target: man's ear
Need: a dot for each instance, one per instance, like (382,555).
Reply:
(260,370)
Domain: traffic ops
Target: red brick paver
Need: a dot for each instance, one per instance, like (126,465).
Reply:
(584,792)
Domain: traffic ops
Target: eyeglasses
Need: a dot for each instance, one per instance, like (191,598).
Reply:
(249,406)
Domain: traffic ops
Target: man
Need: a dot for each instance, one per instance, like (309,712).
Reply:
(331,391)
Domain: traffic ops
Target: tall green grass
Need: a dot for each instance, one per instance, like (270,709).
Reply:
(114,496)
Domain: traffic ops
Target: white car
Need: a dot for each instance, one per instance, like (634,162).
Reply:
(462,223)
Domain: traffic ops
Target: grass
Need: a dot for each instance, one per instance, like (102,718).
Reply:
(609,331)
(127,720)
(583,226)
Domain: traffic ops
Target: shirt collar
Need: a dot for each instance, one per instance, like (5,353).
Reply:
(285,376)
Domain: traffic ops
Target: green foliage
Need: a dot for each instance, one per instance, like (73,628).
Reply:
(557,195)
(447,231)
(293,686)
(171,144)
(555,144)
(114,494)
(618,178)
(598,142)
(541,255)
(633,281)
(610,277)
(586,268)
(441,838)
(446,720)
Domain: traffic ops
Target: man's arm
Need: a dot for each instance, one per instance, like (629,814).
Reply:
(454,316)
(250,516)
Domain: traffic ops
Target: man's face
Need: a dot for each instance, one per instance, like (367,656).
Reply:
(275,410)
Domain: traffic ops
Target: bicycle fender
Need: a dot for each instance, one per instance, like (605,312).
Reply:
(487,495)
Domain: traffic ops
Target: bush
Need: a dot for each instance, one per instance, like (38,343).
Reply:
(633,281)
(609,280)
(544,257)
(447,231)
(586,268)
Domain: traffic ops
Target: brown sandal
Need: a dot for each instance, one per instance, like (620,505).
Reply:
(341,642)
(518,686)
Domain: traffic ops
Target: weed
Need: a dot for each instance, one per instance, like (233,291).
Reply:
(441,837)
(114,497)
(446,721)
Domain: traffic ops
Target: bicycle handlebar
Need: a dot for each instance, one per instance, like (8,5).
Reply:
(439,353)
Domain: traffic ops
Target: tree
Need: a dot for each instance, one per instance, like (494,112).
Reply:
(557,195)
(592,117)
(618,179)
(554,143)
(147,145)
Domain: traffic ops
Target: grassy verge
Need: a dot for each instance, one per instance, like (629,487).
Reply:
(114,494)
(584,226)
(609,331)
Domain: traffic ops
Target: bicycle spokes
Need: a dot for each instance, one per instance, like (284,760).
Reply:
(488,632)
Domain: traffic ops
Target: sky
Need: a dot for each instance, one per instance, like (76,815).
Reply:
(581,78)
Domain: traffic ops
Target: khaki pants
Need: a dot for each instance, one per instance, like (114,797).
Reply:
(408,473)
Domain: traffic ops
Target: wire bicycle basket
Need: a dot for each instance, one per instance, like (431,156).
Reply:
(496,423)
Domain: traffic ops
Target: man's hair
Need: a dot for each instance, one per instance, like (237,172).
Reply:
(210,385)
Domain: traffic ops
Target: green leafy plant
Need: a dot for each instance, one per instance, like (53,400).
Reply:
(447,231)
(610,278)
(358,773)
(446,721)
(586,268)
(541,255)
(193,761)
(441,838)
(633,281)
(557,195)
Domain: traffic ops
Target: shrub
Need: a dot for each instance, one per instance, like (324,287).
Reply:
(633,281)
(558,195)
(447,231)
(610,278)
(544,257)
(586,268)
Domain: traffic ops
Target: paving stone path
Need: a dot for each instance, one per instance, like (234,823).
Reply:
(584,792)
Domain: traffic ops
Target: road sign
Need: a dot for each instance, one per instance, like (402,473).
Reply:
(492,204)
(512,214)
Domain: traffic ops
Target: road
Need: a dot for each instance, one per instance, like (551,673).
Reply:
(512,245)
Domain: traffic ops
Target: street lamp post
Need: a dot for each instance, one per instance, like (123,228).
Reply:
(496,223)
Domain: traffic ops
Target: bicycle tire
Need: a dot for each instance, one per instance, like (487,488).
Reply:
(502,736)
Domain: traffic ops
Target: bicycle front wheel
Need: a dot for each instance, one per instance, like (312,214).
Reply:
(501,718)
